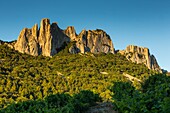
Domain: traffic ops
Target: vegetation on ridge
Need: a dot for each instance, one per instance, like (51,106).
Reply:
(28,80)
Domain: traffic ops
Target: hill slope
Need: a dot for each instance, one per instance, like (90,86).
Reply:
(24,77)
(75,82)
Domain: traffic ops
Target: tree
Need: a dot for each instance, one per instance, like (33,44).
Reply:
(83,100)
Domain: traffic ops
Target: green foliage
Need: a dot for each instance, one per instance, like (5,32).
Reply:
(154,97)
(26,106)
(64,50)
(25,80)
(165,105)
(60,103)
(83,100)
(57,100)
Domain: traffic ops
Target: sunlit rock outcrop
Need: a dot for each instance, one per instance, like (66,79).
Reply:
(28,41)
(50,38)
(141,55)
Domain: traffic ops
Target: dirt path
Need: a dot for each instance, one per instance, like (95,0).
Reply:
(106,107)
(131,78)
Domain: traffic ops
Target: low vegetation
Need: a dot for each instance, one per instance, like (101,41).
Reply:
(74,82)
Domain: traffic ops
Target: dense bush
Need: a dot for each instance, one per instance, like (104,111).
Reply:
(154,97)
(60,103)
(28,80)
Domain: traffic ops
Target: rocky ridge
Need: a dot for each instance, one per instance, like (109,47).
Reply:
(141,55)
(50,38)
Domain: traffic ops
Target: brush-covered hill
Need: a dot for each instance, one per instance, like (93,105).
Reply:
(75,82)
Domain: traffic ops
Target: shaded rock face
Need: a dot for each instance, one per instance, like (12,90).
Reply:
(95,41)
(41,42)
(154,64)
(74,50)
(49,38)
(141,55)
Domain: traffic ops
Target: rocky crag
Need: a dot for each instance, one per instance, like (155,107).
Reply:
(141,55)
(50,38)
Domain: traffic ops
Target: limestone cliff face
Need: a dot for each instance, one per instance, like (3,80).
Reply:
(71,32)
(154,64)
(141,55)
(99,41)
(94,41)
(45,37)
(44,41)
(28,41)
(50,38)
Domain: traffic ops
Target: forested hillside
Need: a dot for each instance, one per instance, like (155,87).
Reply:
(74,82)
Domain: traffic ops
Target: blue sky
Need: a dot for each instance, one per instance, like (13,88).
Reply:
(138,22)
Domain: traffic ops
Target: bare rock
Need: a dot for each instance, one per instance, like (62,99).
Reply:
(71,32)
(99,41)
(82,42)
(58,38)
(95,41)
(27,41)
(102,108)
(73,49)
(141,55)
(49,39)
(45,37)
(154,64)
(44,41)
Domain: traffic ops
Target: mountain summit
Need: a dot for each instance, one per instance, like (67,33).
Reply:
(49,39)
(141,55)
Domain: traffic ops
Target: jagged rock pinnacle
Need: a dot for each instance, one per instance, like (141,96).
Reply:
(49,38)
(141,55)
